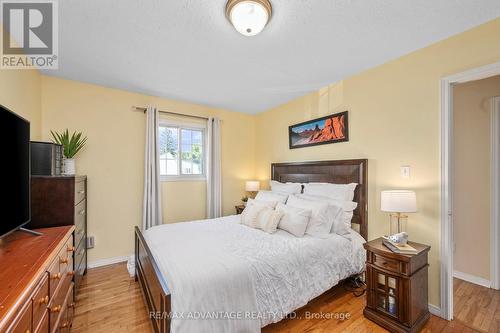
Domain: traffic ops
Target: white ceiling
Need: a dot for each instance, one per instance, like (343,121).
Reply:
(187,50)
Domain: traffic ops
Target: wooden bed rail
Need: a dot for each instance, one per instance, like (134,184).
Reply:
(154,287)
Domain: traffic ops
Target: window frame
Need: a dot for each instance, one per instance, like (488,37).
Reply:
(193,127)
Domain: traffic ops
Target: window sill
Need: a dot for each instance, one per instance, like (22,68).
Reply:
(200,178)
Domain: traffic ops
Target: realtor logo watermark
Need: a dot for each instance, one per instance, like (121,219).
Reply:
(29,38)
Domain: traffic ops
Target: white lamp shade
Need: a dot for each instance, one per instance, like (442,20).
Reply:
(252,186)
(249,17)
(398,201)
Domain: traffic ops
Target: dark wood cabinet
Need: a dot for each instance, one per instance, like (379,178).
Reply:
(60,201)
(396,287)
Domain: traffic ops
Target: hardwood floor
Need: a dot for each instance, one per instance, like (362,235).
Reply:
(110,301)
(476,307)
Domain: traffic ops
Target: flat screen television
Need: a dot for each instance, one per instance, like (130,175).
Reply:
(15,205)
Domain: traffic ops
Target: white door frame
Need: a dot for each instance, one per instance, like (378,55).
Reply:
(495,194)
(447,176)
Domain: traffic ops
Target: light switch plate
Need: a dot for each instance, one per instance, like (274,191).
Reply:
(405,171)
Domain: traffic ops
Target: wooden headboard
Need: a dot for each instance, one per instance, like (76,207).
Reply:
(338,172)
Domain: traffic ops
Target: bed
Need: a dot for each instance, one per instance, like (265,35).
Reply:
(220,276)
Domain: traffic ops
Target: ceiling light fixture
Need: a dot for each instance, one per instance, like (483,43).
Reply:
(249,17)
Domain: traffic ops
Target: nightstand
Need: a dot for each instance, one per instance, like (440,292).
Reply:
(396,285)
(239,209)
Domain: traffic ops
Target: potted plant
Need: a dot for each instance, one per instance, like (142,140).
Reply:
(71,146)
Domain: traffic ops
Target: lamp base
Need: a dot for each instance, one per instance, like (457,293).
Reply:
(398,223)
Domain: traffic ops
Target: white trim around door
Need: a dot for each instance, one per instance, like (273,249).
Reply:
(495,194)
(446,178)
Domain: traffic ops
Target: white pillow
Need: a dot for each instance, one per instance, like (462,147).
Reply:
(333,191)
(268,220)
(347,206)
(341,211)
(265,203)
(271,196)
(294,219)
(321,222)
(250,214)
(289,188)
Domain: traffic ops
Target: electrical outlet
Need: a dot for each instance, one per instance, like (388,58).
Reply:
(90,242)
(405,171)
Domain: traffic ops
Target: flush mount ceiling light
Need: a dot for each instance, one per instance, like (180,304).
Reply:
(249,17)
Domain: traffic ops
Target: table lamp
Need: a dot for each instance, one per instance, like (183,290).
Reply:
(398,202)
(252,186)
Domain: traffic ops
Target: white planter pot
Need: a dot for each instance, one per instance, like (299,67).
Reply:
(69,166)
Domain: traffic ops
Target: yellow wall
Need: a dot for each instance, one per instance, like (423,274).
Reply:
(471,175)
(113,158)
(20,92)
(394,115)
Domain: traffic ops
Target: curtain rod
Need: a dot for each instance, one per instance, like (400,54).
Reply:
(138,108)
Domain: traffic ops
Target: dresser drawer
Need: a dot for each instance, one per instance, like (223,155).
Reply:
(43,327)
(69,304)
(56,305)
(80,191)
(40,300)
(22,324)
(65,256)
(79,254)
(386,263)
(80,215)
(55,277)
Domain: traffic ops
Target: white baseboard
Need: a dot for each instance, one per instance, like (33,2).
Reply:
(107,261)
(435,310)
(472,279)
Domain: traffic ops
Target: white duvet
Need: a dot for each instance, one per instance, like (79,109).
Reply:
(227,277)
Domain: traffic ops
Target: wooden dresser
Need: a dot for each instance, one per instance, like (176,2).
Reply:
(58,201)
(396,287)
(36,281)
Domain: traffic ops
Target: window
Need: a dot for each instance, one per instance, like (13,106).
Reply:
(182,152)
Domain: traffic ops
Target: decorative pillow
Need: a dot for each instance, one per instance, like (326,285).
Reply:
(343,192)
(321,222)
(341,211)
(271,196)
(265,203)
(250,214)
(294,219)
(289,188)
(268,220)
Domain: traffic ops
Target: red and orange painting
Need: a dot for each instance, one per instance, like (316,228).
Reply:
(329,129)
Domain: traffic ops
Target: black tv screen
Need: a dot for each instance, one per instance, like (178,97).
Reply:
(15,170)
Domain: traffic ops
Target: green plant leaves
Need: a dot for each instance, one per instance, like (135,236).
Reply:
(71,144)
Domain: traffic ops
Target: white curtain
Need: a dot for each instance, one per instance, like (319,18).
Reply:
(152,211)
(214,179)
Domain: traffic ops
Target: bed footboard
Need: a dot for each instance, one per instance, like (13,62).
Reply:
(153,285)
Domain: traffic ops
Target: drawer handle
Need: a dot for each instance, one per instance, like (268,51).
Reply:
(71,305)
(43,300)
(28,331)
(56,309)
(71,248)
(56,276)
(71,273)
(64,325)
(81,192)
(63,260)
(82,212)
